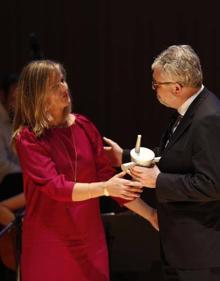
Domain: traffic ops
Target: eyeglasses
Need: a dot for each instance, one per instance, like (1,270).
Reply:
(156,84)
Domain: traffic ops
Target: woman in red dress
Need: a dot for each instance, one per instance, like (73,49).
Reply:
(65,171)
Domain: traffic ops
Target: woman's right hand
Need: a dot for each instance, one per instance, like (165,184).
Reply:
(117,186)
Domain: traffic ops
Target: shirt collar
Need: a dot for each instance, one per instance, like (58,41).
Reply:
(183,108)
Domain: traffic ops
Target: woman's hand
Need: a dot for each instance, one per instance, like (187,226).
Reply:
(119,187)
(144,210)
(6,215)
(153,219)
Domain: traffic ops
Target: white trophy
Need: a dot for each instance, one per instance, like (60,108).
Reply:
(140,156)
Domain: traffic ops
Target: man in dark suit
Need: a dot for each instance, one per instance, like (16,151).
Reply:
(187,178)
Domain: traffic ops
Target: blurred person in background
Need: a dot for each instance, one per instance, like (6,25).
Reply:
(10,171)
(11,183)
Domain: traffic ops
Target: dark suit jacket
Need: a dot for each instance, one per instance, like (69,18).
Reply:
(188,188)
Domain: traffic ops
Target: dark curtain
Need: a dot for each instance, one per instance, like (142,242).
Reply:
(107,47)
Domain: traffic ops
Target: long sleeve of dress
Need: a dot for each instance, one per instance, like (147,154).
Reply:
(39,168)
(103,165)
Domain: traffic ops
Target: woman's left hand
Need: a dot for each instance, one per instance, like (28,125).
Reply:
(153,219)
(6,215)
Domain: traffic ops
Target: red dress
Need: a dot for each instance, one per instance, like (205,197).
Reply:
(62,240)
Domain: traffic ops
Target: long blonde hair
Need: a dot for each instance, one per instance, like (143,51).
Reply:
(30,108)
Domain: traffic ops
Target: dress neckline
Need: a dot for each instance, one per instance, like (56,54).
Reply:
(73,122)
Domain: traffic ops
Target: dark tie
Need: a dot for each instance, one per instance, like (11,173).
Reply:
(170,131)
(176,123)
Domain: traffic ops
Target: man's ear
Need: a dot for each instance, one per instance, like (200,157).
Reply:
(178,89)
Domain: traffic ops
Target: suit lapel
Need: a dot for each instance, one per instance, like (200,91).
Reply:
(186,121)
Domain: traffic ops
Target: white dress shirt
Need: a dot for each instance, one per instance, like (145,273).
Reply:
(183,108)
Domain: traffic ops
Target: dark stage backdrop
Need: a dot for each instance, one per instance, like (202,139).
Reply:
(107,47)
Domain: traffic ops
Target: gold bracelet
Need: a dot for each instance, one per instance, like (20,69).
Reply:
(88,189)
(105,190)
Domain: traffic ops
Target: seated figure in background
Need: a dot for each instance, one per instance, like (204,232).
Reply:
(11,183)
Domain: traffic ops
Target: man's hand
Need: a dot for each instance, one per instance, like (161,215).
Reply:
(114,152)
(146,176)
